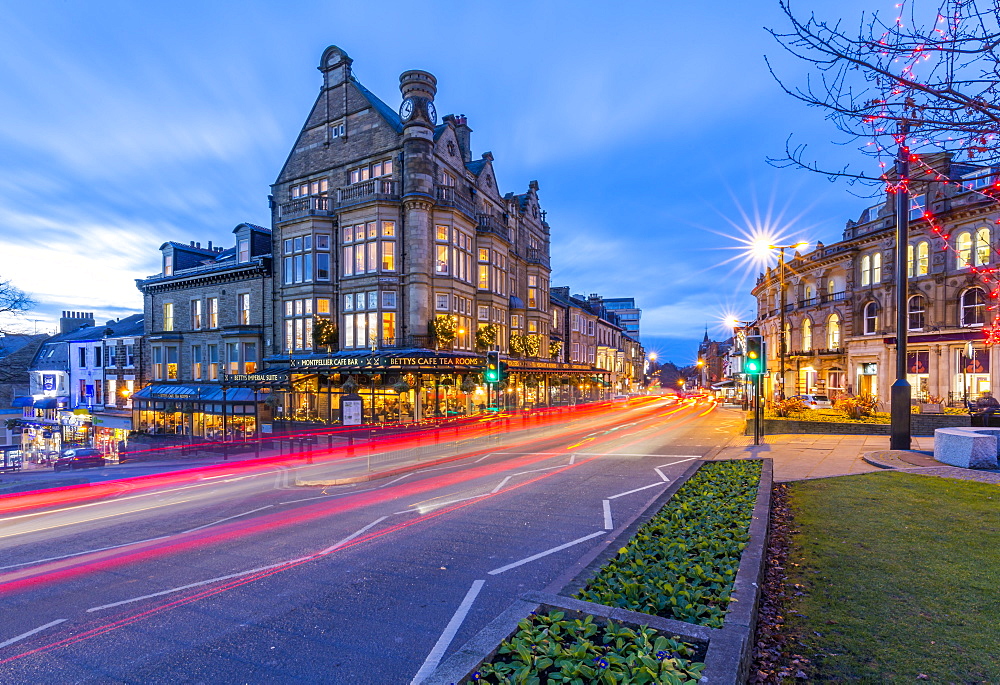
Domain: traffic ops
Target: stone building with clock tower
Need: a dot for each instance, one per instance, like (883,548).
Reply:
(385,225)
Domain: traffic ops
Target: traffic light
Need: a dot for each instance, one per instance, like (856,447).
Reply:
(492,373)
(755,362)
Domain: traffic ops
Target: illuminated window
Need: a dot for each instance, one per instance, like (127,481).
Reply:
(982,251)
(388,255)
(441,232)
(388,328)
(322,305)
(533,292)
(168,316)
(168,265)
(807,335)
(195,315)
(213,312)
(963,248)
(213,362)
(833,332)
(171,363)
(388,229)
(870,318)
(232,357)
(441,265)
(196,362)
(243,307)
(484,277)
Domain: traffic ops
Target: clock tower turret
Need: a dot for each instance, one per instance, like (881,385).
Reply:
(419,117)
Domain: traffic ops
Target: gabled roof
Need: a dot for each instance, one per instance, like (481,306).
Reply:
(387,112)
(254,227)
(476,166)
(11,343)
(189,248)
(438,130)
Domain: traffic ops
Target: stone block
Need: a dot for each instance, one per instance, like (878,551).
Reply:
(970,448)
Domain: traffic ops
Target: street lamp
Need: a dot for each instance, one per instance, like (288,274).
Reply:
(781,285)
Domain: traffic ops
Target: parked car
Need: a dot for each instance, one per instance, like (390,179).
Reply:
(815,401)
(78,458)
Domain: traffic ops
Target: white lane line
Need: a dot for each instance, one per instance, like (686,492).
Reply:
(546,553)
(228,518)
(77,554)
(572,459)
(437,651)
(95,518)
(353,535)
(502,483)
(679,461)
(200,583)
(483,457)
(547,468)
(31,632)
(395,480)
(608,524)
(645,487)
(663,477)
(115,500)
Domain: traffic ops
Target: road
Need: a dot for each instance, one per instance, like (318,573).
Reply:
(239,575)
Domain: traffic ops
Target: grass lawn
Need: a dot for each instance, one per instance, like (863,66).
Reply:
(898,578)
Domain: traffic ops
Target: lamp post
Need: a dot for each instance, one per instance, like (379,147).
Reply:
(781,332)
(899,408)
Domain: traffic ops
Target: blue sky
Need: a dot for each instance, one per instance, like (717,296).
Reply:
(128,124)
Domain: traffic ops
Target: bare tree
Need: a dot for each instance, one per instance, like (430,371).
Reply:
(932,69)
(13,303)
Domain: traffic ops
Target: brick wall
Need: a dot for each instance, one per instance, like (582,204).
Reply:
(922,425)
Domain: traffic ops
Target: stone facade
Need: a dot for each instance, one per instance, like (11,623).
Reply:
(840,299)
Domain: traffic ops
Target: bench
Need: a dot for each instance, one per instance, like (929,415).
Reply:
(968,447)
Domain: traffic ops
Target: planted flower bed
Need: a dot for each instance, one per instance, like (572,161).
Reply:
(551,648)
(682,563)
(680,566)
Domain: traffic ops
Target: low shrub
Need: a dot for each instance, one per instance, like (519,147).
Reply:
(787,407)
(549,648)
(682,563)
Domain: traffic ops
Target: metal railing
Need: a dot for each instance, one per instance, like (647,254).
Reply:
(535,255)
(491,224)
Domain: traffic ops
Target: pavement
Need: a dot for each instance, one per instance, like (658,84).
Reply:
(802,457)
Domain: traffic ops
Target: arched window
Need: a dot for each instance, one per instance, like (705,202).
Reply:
(870,316)
(982,252)
(807,335)
(866,270)
(833,332)
(963,246)
(787,340)
(909,260)
(973,305)
(877,268)
(915,308)
(922,259)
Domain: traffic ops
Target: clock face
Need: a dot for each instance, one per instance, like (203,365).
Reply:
(432,113)
(406,109)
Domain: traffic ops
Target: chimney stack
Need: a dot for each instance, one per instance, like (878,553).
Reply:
(464,135)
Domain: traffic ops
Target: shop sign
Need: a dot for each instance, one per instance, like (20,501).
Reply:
(119,422)
(381,361)
(869,369)
(253,378)
(48,382)
(551,366)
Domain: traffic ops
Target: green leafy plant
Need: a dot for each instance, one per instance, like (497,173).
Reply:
(553,649)
(789,406)
(682,563)
(325,333)
(859,406)
(443,328)
(486,336)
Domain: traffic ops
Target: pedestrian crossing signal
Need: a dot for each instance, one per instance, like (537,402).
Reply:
(492,372)
(755,363)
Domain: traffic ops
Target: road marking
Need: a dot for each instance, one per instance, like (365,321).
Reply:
(502,483)
(228,518)
(395,480)
(645,487)
(662,476)
(96,518)
(547,468)
(353,535)
(546,553)
(31,632)
(681,461)
(199,584)
(437,651)
(572,459)
(77,554)
(431,507)
(483,457)
(608,524)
